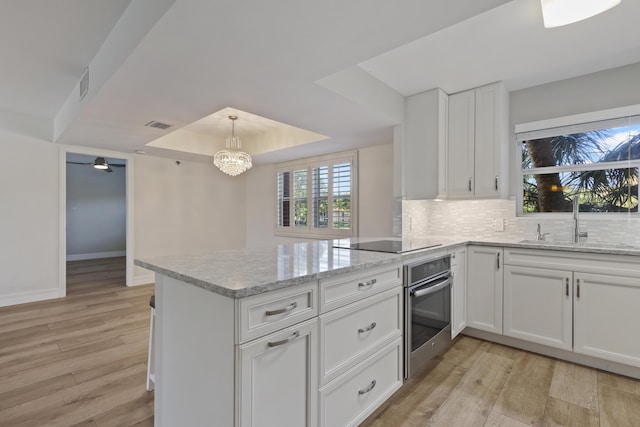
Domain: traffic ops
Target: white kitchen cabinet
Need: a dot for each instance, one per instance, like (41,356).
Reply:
(607,317)
(458,291)
(538,305)
(350,334)
(278,378)
(361,351)
(425,137)
(477,144)
(484,288)
(351,397)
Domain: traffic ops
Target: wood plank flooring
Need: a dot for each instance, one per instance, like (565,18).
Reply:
(477,383)
(81,361)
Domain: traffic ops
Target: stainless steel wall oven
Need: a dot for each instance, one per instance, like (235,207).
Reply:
(427,325)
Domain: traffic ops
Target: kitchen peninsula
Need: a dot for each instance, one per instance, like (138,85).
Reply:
(262,336)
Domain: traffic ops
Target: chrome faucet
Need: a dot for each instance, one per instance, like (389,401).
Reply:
(577,234)
(539,235)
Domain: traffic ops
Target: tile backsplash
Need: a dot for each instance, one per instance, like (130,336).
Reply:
(480,220)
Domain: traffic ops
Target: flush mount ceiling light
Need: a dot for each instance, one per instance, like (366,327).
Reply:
(556,13)
(101,163)
(232,161)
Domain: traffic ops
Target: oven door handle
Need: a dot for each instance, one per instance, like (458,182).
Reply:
(422,291)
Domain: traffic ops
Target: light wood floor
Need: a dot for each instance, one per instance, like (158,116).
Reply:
(477,383)
(79,360)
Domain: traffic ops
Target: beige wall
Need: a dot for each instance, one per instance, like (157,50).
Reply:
(188,208)
(185,209)
(375,180)
(375,191)
(29,219)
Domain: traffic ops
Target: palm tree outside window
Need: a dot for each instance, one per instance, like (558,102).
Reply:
(598,161)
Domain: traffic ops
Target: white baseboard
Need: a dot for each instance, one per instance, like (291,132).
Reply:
(95,255)
(144,279)
(30,296)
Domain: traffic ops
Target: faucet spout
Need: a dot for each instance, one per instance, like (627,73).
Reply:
(577,234)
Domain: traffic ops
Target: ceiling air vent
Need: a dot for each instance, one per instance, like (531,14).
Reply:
(158,125)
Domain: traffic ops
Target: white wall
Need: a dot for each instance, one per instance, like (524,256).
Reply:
(185,209)
(96,211)
(375,192)
(29,219)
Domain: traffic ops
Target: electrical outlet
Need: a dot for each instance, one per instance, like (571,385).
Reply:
(498,224)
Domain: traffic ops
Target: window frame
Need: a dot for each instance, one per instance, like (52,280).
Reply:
(309,164)
(564,125)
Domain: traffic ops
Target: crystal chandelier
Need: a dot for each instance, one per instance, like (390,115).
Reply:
(232,161)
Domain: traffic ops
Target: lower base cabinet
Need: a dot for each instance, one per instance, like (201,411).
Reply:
(279,378)
(607,317)
(352,397)
(538,305)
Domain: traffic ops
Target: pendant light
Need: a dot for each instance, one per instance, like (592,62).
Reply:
(556,13)
(232,161)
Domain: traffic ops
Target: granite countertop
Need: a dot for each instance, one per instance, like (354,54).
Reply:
(241,273)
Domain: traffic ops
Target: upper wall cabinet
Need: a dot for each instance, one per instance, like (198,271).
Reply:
(477,145)
(425,132)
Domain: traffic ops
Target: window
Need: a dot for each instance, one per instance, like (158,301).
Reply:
(596,161)
(319,194)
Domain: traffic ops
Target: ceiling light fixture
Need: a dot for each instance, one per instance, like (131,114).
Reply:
(556,13)
(232,161)
(100,163)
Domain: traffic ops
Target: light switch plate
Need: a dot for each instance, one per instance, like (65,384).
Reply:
(498,225)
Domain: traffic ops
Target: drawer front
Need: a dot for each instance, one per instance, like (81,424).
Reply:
(352,397)
(344,289)
(352,333)
(265,313)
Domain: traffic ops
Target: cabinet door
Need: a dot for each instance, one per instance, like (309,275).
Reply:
(607,317)
(278,378)
(491,139)
(538,305)
(460,162)
(484,288)
(458,291)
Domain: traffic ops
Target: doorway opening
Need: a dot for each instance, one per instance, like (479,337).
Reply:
(96,250)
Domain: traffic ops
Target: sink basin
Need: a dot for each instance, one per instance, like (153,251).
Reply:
(579,244)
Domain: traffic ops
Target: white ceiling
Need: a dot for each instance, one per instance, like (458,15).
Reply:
(191,58)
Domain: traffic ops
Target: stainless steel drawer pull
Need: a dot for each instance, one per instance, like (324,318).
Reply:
(496,183)
(469,184)
(498,260)
(368,328)
(367,284)
(578,293)
(566,286)
(368,388)
(287,309)
(293,336)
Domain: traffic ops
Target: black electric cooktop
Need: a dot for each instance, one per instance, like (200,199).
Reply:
(389,246)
